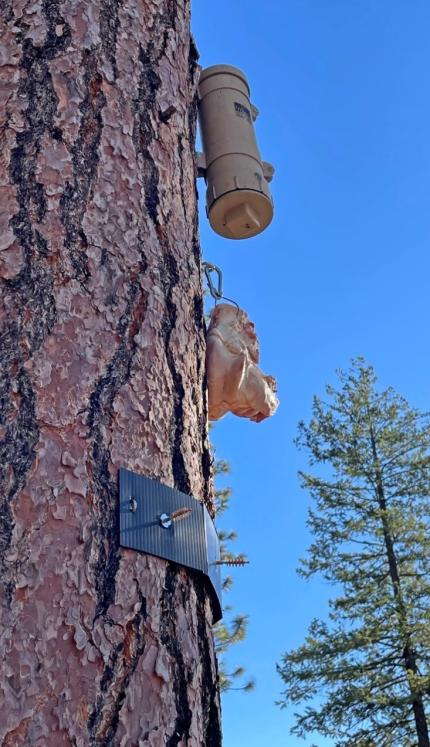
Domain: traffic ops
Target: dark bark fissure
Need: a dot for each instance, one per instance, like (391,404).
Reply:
(170,278)
(6,8)
(169,639)
(103,723)
(408,653)
(109,24)
(99,420)
(144,106)
(16,458)
(28,297)
(85,159)
(209,685)
(143,132)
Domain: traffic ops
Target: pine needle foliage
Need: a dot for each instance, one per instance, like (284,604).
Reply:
(232,628)
(363,675)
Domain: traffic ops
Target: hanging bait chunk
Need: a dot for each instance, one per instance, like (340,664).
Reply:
(235,383)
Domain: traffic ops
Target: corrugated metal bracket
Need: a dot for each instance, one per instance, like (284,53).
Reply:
(162,521)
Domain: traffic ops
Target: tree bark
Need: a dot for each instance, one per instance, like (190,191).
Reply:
(102,366)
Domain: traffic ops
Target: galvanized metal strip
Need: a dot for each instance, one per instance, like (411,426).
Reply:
(192,542)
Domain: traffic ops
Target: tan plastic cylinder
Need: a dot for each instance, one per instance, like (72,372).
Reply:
(238,200)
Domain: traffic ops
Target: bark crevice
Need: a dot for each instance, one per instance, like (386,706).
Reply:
(104,718)
(209,691)
(143,133)
(109,25)
(85,158)
(99,421)
(169,639)
(17,451)
(170,275)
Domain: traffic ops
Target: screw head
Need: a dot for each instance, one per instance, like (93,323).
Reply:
(165,521)
(133,505)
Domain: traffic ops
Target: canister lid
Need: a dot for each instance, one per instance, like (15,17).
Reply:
(223,70)
(240,214)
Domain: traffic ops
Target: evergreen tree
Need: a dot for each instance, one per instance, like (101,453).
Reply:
(364,675)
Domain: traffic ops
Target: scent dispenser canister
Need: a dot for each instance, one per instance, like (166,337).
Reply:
(238,200)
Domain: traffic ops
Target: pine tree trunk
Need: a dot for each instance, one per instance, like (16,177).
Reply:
(102,366)
(408,653)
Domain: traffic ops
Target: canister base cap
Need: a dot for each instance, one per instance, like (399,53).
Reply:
(241,214)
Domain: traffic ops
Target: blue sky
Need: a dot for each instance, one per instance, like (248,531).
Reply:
(342,89)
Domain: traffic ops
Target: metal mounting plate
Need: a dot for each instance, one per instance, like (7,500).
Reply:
(192,542)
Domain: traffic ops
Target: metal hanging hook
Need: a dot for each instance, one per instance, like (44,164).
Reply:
(216,292)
